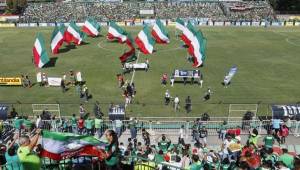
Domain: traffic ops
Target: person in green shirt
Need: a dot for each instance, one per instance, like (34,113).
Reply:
(164,143)
(133,128)
(11,157)
(112,151)
(196,164)
(253,138)
(99,126)
(269,140)
(287,159)
(89,123)
(18,124)
(28,159)
(74,123)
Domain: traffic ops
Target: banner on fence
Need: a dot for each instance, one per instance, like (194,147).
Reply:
(43,24)
(6,25)
(10,81)
(289,24)
(219,23)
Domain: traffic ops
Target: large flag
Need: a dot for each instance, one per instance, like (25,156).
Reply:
(58,146)
(129,56)
(116,32)
(179,24)
(160,33)
(144,41)
(91,27)
(73,34)
(57,38)
(188,33)
(40,55)
(197,48)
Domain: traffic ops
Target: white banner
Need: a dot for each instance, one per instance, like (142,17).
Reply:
(32,24)
(227,23)
(219,23)
(54,81)
(246,23)
(146,12)
(43,24)
(255,23)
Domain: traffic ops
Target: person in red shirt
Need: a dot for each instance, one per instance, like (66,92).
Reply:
(80,124)
(284,132)
(164,79)
(120,78)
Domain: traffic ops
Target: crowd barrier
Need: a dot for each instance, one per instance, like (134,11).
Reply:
(171,23)
(172,127)
(93,163)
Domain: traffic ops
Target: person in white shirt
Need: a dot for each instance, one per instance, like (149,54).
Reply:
(181,134)
(81,110)
(172,79)
(38,121)
(225,145)
(176,103)
(167,97)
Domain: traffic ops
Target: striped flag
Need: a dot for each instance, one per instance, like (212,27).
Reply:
(57,38)
(188,33)
(197,47)
(179,24)
(160,33)
(58,146)
(73,34)
(39,52)
(130,55)
(91,27)
(144,41)
(116,32)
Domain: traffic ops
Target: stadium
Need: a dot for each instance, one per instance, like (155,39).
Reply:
(149,84)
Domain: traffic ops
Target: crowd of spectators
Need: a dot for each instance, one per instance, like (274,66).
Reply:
(160,151)
(103,11)
(248,11)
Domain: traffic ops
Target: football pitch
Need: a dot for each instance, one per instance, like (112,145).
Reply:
(268,61)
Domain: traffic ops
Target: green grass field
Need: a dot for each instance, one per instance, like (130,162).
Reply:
(267,59)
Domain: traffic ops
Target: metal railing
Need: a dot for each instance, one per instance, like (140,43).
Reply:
(169,127)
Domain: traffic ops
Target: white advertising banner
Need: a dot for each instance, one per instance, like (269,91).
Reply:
(146,12)
(54,81)
(219,23)
(255,23)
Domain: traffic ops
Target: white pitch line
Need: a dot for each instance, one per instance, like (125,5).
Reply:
(286,39)
(137,59)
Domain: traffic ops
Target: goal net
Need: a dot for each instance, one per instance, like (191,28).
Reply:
(54,109)
(239,110)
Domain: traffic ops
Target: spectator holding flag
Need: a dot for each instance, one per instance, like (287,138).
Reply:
(28,159)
